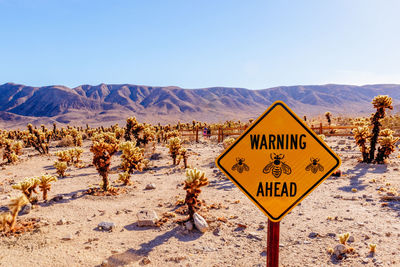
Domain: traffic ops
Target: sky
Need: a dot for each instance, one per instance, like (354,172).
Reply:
(197,44)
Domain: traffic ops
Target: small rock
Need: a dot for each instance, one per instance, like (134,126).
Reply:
(339,250)
(306,242)
(67,237)
(150,186)
(200,223)
(106,226)
(155,156)
(147,218)
(57,198)
(364,260)
(26,209)
(331,234)
(351,239)
(281,245)
(62,221)
(145,261)
(216,232)
(104,263)
(313,235)
(189,225)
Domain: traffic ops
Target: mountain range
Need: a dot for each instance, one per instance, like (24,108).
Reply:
(113,103)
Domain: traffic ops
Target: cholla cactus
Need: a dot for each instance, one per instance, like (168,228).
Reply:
(361,135)
(149,135)
(5,220)
(170,134)
(76,154)
(15,206)
(17,147)
(132,159)
(133,129)
(27,186)
(372,248)
(64,156)
(194,180)
(228,141)
(343,238)
(381,103)
(174,147)
(104,146)
(182,155)
(387,145)
(61,167)
(45,184)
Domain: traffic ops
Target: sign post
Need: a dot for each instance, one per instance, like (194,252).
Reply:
(273,244)
(276,163)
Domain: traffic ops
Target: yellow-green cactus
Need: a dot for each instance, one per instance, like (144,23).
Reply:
(194,180)
(15,206)
(174,147)
(61,167)
(27,186)
(45,184)
(104,146)
(132,159)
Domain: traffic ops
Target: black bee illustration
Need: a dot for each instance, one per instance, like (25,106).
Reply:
(240,166)
(277,166)
(314,166)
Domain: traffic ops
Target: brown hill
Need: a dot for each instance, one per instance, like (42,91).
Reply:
(110,103)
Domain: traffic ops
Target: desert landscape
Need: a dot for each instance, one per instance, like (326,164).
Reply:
(199,133)
(142,217)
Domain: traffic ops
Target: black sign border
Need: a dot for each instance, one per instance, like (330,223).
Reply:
(308,130)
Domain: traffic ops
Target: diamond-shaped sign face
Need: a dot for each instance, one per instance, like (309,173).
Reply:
(278,161)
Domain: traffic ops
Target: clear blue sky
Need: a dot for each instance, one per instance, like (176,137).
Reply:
(195,44)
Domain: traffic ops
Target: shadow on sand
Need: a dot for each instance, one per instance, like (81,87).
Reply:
(361,170)
(134,255)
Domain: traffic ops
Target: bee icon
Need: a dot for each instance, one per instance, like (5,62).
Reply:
(277,166)
(240,166)
(314,166)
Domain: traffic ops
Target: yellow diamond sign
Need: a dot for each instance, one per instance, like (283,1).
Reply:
(278,161)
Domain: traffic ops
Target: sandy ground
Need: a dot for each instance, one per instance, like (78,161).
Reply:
(306,233)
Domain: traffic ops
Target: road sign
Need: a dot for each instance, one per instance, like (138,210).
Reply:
(278,161)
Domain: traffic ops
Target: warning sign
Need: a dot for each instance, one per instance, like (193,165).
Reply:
(278,161)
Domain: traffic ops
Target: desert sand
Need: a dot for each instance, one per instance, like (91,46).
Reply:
(67,232)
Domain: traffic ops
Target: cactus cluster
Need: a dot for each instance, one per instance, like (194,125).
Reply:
(70,156)
(28,186)
(194,180)
(38,138)
(11,149)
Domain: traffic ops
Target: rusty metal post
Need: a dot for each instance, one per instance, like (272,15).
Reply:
(219,135)
(273,244)
(320,128)
(197,134)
